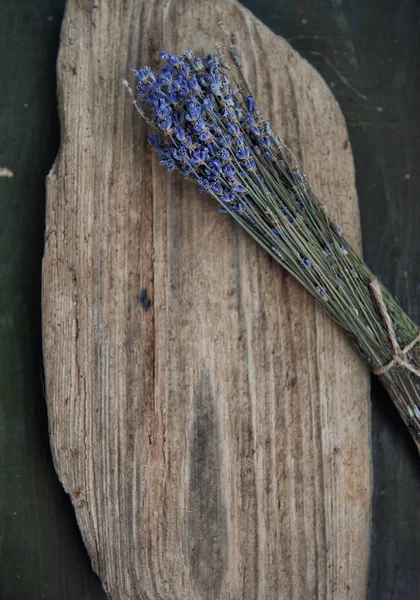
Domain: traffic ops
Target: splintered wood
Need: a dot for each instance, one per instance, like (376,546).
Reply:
(209,422)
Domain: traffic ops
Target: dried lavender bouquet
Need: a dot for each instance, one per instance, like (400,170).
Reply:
(211,131)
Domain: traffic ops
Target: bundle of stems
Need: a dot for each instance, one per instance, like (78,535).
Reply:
(210,129)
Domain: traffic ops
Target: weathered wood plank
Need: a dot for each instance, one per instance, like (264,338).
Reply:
(209,423)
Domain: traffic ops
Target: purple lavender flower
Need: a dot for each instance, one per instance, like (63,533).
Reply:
(166,124)
(306,263)
(225,141)
(145,75)
(223,155)
(228,197)
(162,110)
(200,157)
(207,103)
(180,133)
(239,207)
(244,153)
(193,110)
(230,172)
(199,126)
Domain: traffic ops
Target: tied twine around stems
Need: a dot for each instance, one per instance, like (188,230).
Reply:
(400,355)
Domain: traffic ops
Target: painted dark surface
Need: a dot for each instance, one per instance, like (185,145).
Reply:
(41,553)
(369,53)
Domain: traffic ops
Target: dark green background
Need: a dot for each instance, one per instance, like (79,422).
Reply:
(368,52)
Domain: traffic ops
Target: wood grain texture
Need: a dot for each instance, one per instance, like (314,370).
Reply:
(209,423)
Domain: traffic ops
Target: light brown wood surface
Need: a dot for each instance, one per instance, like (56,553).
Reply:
(208,421)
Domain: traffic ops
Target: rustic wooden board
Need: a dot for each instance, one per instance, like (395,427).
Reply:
(209,423)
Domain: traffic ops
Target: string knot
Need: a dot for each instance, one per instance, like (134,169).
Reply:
(400,358)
